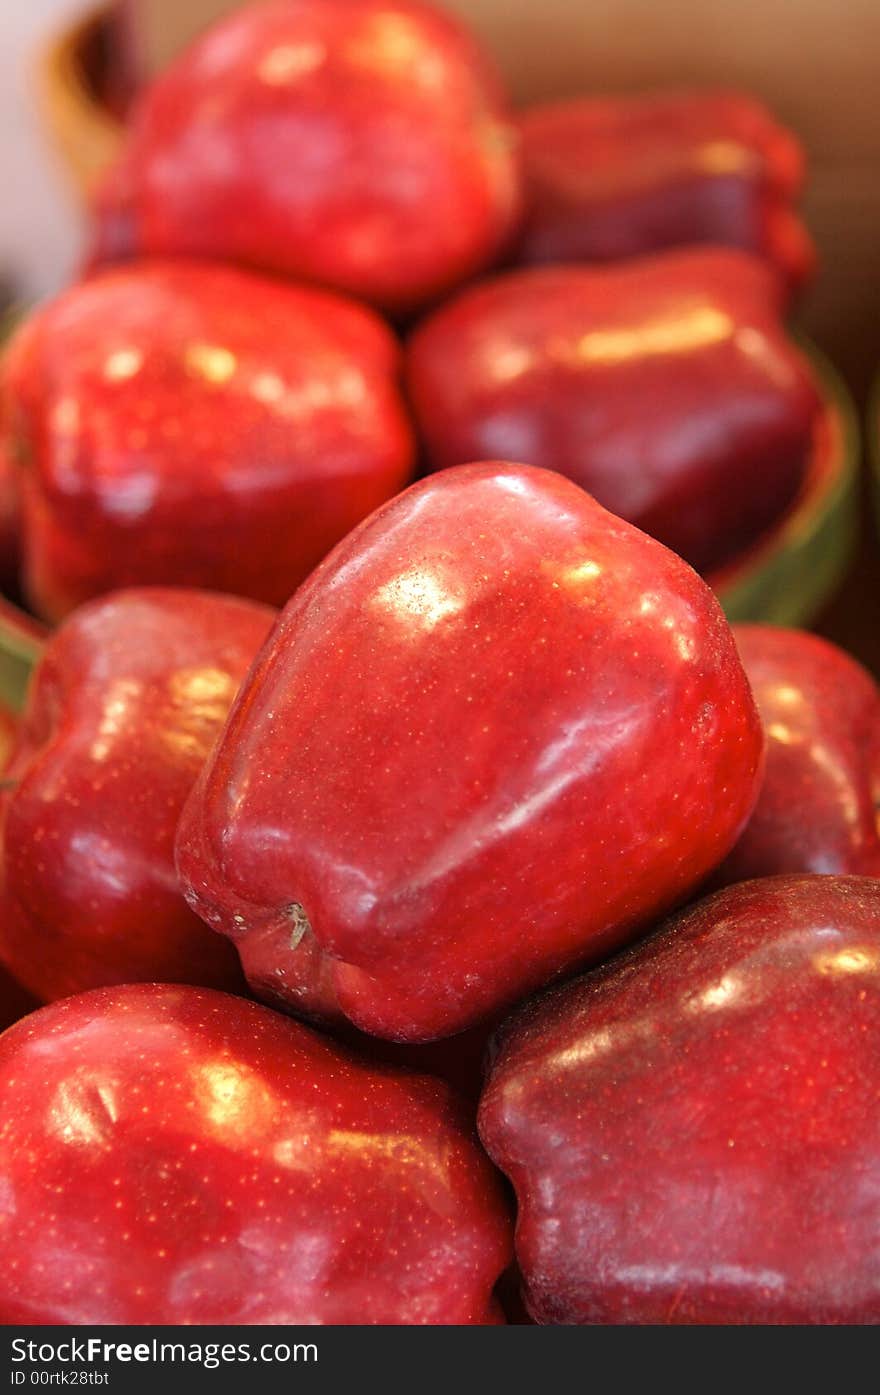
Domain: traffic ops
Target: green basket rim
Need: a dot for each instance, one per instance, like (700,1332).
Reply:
(795,570)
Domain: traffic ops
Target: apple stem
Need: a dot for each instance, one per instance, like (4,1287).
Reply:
(299,922)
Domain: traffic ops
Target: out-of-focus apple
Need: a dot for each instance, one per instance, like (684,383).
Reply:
(197,425)
(125,704)
(666,387)
(362,144)
(614,177)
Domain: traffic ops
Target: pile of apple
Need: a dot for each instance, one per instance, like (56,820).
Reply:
(303,894)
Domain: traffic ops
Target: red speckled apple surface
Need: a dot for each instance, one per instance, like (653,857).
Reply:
(179,1156)
(493,734)
(197,425)
(692,1129)
(614,177)
(363,144)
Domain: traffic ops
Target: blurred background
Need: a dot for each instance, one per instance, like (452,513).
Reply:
(813,61)
(39,226)
(70,69)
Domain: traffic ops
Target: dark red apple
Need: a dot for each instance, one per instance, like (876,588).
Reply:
(819,801)
(666,387)
(123,709)
(196,425)
(692,1129)
(614,177)
(174,1155)
(362,144)
(493,734)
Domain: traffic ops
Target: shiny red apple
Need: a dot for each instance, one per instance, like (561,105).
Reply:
(819,801)
(197,425)
(123,709)
(174,1155)
(614,177)
(362,144)
(493,734)
(666,387)
(692,1129)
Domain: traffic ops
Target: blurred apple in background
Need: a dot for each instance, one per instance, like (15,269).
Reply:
(194,424)
(124,706)
(180,1156)
(614,177)
(665,386)
(691,1129)
(361,144)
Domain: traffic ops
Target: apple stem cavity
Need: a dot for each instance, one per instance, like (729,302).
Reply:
(299,922)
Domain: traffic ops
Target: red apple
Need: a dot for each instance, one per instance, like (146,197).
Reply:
(173,1155)
(362,144)
(123,709)
(691,1129)
(666,387)
(197,425)
(614,177)
(818,807)
(489,738)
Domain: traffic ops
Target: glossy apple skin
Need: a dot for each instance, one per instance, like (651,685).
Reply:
(614,177)
(124,706)
(197,425)
(365,146)
(666,387)
(817,810)
(691,1129)
(180,1156)
(490,736)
